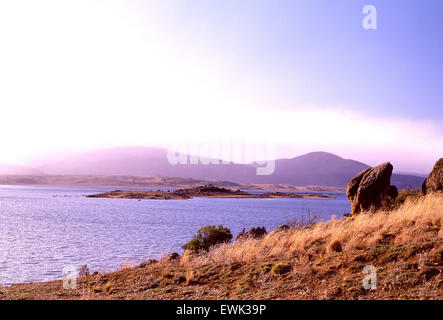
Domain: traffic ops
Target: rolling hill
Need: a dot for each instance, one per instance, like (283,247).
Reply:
(312,169)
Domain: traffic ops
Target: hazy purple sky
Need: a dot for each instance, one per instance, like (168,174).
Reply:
(302,75)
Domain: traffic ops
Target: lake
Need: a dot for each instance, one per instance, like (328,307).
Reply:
(44,229)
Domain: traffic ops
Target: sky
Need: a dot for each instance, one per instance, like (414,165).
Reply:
(301,76)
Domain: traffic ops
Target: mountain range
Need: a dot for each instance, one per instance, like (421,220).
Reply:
(312,169)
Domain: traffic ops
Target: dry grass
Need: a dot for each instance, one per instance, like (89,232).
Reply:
(418,219)
(319,261)
(405,194)
(306,218)
(128,264)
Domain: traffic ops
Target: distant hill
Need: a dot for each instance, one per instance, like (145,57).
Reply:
(6,169)
(315,168)
(143,161)
(326,169)
(312,169)
(110,181)
(402,181)
(136,161)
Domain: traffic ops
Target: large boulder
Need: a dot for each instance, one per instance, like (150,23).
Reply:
(434,181)
(371,188)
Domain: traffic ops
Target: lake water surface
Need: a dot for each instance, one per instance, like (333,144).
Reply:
(44,229)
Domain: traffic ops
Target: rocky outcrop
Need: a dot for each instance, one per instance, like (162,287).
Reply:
(371,188)
(434,181)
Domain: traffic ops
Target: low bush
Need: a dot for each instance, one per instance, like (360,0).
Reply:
(207,237)
(255,233)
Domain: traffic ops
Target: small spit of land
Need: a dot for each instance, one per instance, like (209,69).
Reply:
(324,260)
(206,191)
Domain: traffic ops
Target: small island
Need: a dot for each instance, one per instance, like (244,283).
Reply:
(205,191)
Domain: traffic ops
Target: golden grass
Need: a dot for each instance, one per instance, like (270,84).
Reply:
(417,219)
(320,261)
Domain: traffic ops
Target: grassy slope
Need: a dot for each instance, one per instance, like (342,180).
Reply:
(322,261)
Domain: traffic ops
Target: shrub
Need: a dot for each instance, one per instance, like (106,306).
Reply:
(254,233)
(208,236)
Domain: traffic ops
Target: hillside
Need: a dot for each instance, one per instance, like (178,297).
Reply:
(319,261)
(312,169)
(316,168)
(143,161)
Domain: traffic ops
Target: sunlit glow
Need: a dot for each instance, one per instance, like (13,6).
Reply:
(93,74)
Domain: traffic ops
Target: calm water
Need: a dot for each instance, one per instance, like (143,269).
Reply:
(43,229)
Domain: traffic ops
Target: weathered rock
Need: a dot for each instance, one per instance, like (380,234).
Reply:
(392,192)
(354,183)
(434,181)
(370,188)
